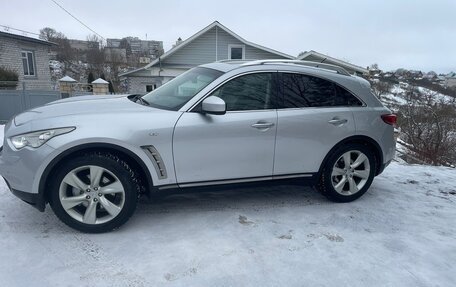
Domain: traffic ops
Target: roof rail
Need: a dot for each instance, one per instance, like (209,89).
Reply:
(334,68)
(234,61)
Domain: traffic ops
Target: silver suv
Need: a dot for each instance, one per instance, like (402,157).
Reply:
(92,157)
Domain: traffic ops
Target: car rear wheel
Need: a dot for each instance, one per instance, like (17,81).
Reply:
(94,192)
(348,173)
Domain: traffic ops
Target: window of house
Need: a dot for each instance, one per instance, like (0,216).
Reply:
(249,92)
(150,88)
(307,91)
(28,62)
(236,52)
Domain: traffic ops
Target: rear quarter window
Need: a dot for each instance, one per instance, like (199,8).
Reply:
(300,91)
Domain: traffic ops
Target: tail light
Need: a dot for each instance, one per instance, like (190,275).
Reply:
(390,119)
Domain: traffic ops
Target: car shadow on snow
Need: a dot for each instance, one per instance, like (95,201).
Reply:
(232,198)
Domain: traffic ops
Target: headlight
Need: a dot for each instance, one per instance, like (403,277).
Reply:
(37,139)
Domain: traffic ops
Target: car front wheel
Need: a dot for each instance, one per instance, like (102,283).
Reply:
(94,192)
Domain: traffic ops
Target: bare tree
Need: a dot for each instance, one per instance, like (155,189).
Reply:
(380,88)
(97,39)
(47,33)
(428,125)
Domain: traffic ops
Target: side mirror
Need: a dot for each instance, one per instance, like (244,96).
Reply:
(213,105)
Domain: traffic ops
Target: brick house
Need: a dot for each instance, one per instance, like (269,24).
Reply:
(29,58)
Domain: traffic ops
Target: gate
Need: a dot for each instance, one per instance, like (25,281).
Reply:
(13,102)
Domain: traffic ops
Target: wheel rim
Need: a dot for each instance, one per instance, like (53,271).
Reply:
(91,194)
(350,172)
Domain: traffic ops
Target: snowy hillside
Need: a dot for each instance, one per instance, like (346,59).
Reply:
(400,233)
(397,95)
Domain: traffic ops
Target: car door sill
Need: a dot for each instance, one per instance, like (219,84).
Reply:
(235,181)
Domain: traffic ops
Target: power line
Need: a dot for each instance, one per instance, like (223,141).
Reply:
(74,17)
(7,28)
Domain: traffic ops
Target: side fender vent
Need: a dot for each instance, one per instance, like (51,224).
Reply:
(157,161)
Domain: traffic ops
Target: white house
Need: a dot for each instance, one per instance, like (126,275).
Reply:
(213,43)
(314,56)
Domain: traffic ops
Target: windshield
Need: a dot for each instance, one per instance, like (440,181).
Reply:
(174,94)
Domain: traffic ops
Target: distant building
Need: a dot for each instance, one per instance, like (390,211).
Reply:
(450,80)
(82,45)
(115,55)
(29,58)
(149,48)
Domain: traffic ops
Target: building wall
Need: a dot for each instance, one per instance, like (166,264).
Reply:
(203,50)
(137,85)
(144,47)
(117,55)
(10,56)
(450,82)
(83,45)
(207,48)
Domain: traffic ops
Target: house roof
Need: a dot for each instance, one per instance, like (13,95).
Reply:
(451,75)
(27,39)
(100,81)
(324,58)
(201,32)
(67,79)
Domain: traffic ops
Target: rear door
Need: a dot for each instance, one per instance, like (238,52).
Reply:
(238,145)
(315,114)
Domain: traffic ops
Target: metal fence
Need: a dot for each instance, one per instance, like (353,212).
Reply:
(13,102)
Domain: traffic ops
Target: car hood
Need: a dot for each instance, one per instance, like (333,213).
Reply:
(82,105)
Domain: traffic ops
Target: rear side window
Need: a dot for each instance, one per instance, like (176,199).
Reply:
(307,91)
(249,92)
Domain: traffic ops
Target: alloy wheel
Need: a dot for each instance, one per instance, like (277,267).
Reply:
(350,172)
(91,194)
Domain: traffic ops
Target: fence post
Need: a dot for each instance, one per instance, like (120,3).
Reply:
(23,99)
(100,87)
(66,86)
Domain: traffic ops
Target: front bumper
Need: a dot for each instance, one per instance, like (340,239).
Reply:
(34,199)
(21,170)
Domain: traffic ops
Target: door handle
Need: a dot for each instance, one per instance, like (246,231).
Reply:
(262,125)
(338,122)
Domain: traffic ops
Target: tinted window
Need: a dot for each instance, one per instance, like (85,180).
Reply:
(308,91)
(249,92)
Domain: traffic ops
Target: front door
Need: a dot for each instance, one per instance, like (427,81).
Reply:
(238,145)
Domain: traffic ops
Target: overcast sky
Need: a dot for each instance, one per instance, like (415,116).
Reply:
(393,33)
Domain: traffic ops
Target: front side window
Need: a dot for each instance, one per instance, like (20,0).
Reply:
(28,63)
(177,92)
(249,92)
(236,52)
(307,91)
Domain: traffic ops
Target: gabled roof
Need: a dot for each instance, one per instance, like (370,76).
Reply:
(25,38)
(201,32)
(324,58)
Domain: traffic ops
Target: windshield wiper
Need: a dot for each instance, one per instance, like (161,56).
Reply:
(138,98)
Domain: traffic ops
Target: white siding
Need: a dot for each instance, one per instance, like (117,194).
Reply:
(202,50)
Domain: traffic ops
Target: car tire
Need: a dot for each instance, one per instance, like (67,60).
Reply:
(94,192)
(348,173)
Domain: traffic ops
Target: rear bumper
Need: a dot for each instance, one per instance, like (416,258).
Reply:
(34,199)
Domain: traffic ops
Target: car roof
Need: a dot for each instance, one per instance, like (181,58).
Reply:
(229,65)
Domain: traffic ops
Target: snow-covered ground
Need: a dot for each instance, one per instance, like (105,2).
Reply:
(401,233)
